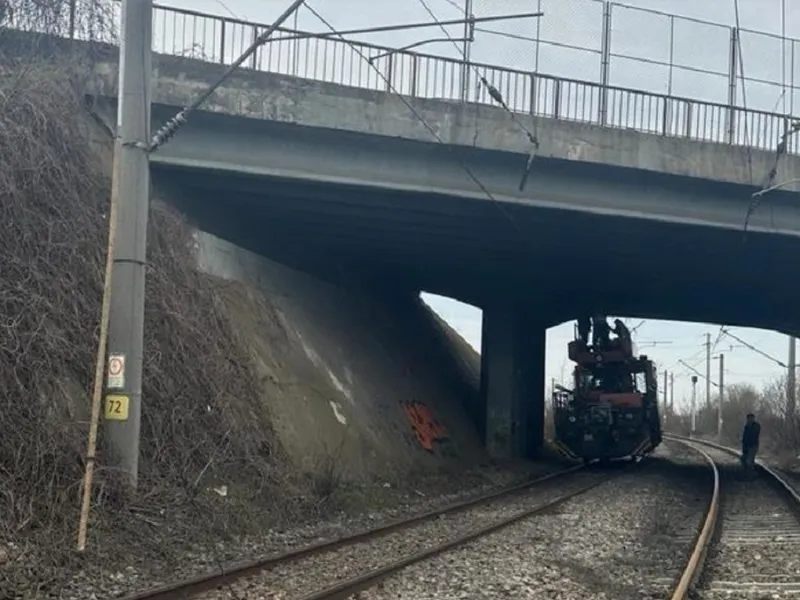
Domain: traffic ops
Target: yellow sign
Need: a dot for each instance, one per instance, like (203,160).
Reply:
(117,408)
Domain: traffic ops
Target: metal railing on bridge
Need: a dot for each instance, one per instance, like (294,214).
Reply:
(323,57)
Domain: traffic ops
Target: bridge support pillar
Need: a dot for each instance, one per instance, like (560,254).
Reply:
(512,382)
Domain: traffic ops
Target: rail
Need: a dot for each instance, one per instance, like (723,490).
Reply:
(189,587)
(323,57)
(695,564)
(697,557)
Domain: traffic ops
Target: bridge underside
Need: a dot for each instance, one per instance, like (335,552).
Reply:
(529,268)
(559,262)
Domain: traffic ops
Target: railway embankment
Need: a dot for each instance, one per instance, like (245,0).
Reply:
(274,404)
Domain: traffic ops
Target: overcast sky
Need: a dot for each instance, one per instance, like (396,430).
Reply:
(698,47)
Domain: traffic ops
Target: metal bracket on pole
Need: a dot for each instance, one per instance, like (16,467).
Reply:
(605,62)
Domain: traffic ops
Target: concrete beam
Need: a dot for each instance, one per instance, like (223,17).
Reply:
(274,97)
(234,148)
(512,382)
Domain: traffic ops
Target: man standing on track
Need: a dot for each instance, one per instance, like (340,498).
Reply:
(750,439)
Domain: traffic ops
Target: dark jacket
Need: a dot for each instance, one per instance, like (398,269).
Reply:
(750,434)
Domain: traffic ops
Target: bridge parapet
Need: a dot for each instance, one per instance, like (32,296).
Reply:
(333,83)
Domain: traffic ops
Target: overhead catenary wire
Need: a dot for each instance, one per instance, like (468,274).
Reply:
(171,127)
(497,96)
(474,178)
(505,34)
(756,350)
(698,373)
(227,9)
(768,183)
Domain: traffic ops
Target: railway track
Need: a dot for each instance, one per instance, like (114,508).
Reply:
(385,550)
(749,545)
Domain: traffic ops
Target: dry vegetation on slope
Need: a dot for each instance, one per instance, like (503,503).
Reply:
(205,422)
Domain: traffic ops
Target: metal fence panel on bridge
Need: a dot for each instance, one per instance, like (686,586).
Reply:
(588,61)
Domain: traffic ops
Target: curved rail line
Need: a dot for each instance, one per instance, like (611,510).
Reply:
(753,527)
(218,578)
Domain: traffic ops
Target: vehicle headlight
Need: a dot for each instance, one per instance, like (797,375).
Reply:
(571,419)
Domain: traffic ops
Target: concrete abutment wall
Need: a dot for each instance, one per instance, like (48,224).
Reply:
(369,382)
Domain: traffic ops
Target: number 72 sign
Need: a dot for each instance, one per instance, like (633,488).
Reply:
(116,408)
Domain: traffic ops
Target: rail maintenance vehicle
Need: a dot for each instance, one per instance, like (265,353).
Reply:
(612,411)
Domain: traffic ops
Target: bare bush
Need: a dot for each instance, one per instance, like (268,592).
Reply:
(779,435)
(94,20)
(327,471)
(204,422)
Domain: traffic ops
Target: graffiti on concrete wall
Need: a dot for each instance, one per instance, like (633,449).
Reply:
(426,429)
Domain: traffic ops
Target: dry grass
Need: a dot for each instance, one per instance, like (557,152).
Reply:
(204,422)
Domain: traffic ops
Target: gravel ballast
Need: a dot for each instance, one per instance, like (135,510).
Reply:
(305,576)
(626,538)
(377,504)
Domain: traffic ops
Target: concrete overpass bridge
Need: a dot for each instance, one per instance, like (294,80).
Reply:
(635,210)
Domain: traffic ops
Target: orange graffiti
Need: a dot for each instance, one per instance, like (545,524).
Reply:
(427,430)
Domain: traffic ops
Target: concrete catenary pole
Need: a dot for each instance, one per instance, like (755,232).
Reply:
(131,184)
(721,395)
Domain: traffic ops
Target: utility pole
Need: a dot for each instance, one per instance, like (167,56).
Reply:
(791,386)
(296,62)
(672,393)
(469,30)
(694,405)
(665,389)
(721,395)
(131,186)
(708,371)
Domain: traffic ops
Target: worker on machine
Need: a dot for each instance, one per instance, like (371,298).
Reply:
(620,329)
(623,341)
(584,327)
(750,439)
(601,337)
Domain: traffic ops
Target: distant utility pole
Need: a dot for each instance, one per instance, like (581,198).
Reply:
(694,404)
(791,386)
(296,61)
(131,191)
(721,395)
(466,51)
(672,393)
(708,371)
